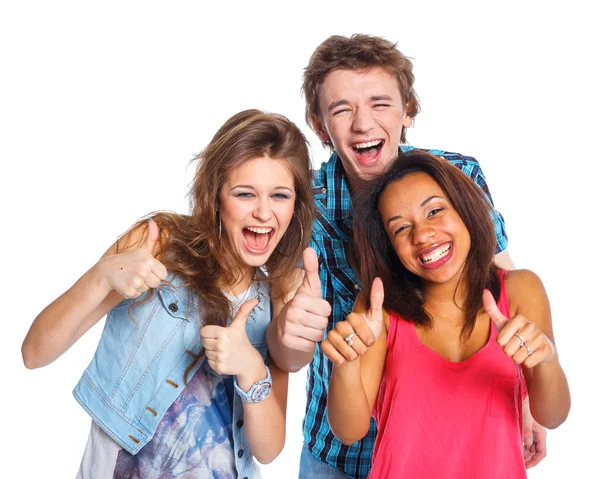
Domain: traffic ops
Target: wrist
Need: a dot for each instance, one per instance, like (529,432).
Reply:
(98,277)
(258,391)
(549,364)
(255,370)
(349,368)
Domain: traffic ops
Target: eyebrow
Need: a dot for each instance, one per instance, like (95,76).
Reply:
(381,97)
(397,217)
(250,187)
(335,104)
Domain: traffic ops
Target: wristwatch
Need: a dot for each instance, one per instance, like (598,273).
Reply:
(259,390)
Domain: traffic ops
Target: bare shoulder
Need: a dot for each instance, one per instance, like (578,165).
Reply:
(526,293)
(520,282)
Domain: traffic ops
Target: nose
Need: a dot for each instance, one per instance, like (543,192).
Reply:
(423,233)
(363,120)
(263,210)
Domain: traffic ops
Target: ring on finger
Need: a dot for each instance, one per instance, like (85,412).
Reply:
(523,343)
(529,351)
(348,339)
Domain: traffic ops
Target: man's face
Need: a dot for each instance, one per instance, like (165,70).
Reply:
(361,112)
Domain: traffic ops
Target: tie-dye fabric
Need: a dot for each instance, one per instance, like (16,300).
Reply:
(193,440)
(136,394)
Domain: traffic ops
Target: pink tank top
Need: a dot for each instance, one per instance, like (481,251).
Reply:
(439,419)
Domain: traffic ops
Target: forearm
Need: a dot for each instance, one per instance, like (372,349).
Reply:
(549,396)
(63,321)
(348,408)
(286,358)
(265,421)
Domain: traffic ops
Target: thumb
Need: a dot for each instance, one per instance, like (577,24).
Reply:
(491,308)
(152,235)
(376,299)
(311,282)
(239,322)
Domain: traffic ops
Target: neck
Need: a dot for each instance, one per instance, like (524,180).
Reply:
(449,296)
(241,283)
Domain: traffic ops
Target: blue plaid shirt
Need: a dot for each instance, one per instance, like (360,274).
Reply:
(331,238)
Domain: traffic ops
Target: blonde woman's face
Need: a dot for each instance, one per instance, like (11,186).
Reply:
(256,205)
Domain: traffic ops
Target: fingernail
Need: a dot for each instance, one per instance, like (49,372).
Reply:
(371,342)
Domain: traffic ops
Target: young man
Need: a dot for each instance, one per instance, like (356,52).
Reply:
(359,100)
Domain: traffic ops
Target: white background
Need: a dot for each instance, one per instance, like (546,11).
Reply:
(102,105)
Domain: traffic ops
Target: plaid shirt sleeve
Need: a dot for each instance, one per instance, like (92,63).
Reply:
(470,167)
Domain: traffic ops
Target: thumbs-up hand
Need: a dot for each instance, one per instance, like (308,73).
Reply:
(520,338)
(311,284)
(134,271)
(228,349)
(302,321)
(351,338)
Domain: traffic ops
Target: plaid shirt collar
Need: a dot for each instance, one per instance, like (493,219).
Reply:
(333,178)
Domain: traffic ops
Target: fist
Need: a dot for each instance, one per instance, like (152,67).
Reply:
(520,338)
(228,349)
(135,271)
(350,338)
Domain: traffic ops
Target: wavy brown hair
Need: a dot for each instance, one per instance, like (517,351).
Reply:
(403,289)
(358,52)
(192,247)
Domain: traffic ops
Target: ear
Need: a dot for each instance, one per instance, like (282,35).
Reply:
(320,130)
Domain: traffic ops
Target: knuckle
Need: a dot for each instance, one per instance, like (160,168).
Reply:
(341,326)
(131,293)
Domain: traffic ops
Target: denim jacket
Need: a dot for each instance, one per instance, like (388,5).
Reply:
(138,369)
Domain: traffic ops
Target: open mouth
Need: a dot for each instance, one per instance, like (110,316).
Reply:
(436,257)
(368,152)
(257,239)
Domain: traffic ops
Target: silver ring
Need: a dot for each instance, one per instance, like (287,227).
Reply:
(523,343)
(348,339)
(529,351)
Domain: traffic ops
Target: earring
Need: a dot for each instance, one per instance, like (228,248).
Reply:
(220,227)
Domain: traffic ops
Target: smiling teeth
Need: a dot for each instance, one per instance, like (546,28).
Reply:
(368,144)
(259,230)
(435,255)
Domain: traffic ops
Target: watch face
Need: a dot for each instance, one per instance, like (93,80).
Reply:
(261,392)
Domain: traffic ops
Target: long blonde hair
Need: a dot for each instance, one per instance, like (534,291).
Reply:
(192,246)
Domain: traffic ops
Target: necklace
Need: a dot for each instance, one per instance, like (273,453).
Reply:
(254,291)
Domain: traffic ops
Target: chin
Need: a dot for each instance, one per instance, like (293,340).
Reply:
(255,260)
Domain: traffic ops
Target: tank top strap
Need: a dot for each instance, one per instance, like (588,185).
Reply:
(398,330)
(503,305)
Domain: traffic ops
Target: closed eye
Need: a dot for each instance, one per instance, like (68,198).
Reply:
(244,194)
(337,112)
(400,229)
(281,196)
